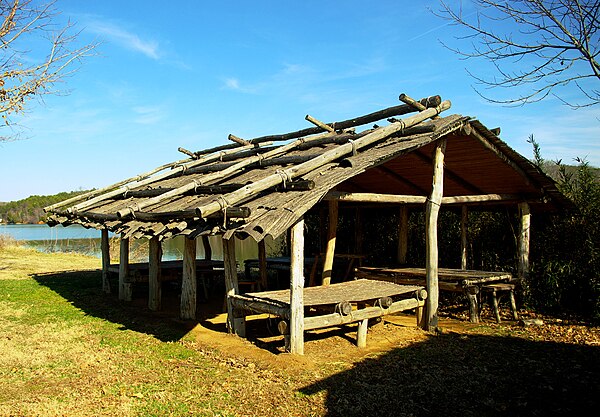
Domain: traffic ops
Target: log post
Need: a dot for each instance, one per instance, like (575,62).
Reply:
(188,280)
(105,247)
(464,218)
(403,235)
(361,334)
(262,265)
(234,324)
(432,208)
(207,248)
(297,289)
(154,281)
(124,287)
(331,236)
(524,236)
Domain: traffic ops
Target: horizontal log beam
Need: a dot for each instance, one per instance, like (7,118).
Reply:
(336,319)
(399,110)
(414,199)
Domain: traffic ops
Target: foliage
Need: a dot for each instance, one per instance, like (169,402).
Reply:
(30,209)
(535,47)
(36,52)
(566,264)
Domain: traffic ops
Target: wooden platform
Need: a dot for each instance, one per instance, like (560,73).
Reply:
(361,290)
(464,281)
(336,304)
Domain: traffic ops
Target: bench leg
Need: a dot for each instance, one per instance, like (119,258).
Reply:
(361,335)
(513,305)
(473,307)
(495,306)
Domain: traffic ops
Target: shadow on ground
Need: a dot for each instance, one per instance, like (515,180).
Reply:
(83,290)
(459,375)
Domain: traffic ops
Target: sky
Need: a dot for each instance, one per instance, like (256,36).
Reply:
(188,73)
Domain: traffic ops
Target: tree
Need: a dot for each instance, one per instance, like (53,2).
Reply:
(535,47)
(36,52)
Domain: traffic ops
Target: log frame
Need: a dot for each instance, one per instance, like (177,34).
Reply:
(524,238)
(464,226)
(105,248)
(188,280)
(296,344)
(403,235)
(154,274)
(331,238)
(235,324)
(125,290)
(432,209)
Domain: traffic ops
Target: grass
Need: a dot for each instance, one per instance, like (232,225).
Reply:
(68,349)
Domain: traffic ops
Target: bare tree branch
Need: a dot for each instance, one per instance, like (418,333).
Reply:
(535,46)
(32,73)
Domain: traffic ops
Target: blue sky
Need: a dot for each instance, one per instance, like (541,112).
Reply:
(191,72)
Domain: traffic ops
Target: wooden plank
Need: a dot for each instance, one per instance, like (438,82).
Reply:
(188,281)
(105,248)
(464,217)
(154,273)
(403,235)
(125,290)
(331,238)
(297,289)
(431,241)
(524,237)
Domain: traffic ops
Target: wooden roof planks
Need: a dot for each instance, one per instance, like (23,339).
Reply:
(258,187)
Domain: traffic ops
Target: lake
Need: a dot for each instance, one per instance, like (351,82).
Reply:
(76,238)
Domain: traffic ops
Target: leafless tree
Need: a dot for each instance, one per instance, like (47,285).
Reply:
(36,52)
(535,46)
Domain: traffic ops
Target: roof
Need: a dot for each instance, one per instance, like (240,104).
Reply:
(263,186)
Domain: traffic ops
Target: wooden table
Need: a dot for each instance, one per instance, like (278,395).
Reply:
(465,281)
(335,304)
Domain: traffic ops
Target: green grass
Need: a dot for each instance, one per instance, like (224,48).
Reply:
(68,349)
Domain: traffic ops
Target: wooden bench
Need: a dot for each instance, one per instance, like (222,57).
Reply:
(495,291)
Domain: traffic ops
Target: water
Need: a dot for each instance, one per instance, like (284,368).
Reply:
(76,238)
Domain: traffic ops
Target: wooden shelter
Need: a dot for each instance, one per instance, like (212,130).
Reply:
(264,186)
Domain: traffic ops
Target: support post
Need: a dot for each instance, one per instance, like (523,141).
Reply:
(331,236)
(361,334)
(154,281)
(188,280)
(262,265)
(524,236)
(297,289)
(464,219)
(207,248)
(234,325)
(105,247)
(432,209)
(124,287)
(403,235)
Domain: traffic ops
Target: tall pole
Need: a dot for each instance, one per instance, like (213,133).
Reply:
(432,208)
(297,289)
